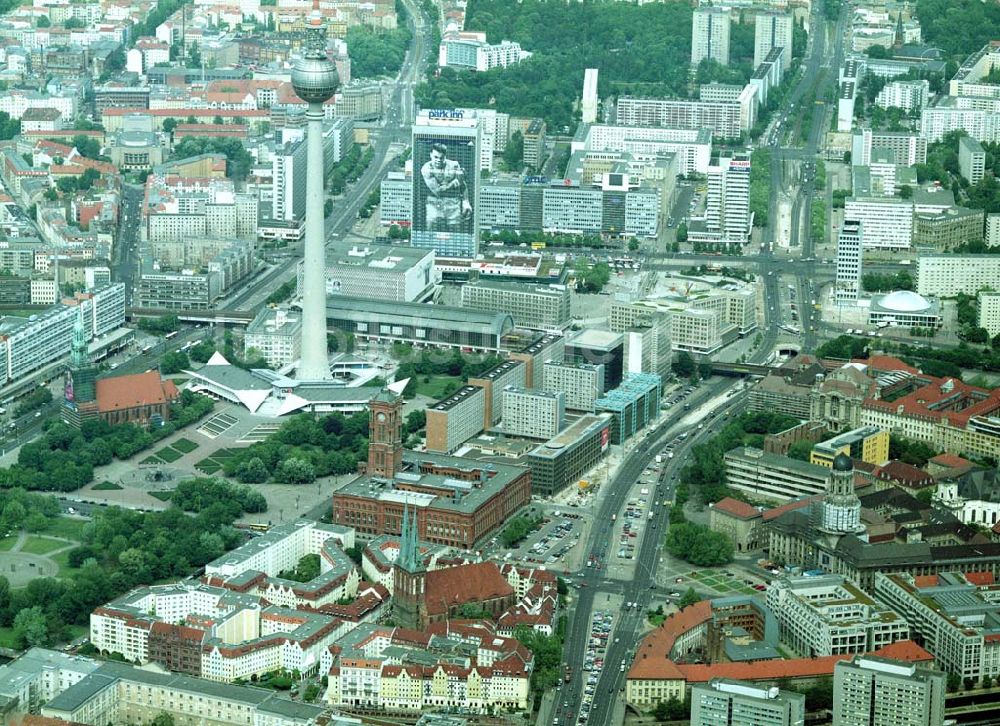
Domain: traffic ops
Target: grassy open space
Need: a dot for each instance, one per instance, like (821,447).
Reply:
(163,496)
(7,543)
(208,465)
(169,455)
(436,386)
(106,486)
(41,545)
(8,639)
(152,460)
(62,561)
(67,527)
(185,446)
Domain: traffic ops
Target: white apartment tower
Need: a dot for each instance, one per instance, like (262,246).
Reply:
(772,30)
(589,104)
(849,261)
(727,207)
(873,691)
(710,35)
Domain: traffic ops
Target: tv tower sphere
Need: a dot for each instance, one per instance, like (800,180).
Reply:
(314,76)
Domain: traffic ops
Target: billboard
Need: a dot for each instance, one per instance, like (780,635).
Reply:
(446,172)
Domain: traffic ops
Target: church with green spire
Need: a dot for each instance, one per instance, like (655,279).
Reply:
(408,609)
(80,393)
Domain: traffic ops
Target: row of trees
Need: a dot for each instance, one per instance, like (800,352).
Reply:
(63,458)
(377,52)
(697,544)
(519,528)
(884,282)
(760,185)
(303,449)
(349,169)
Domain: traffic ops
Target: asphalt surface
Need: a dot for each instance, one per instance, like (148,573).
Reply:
(595,587)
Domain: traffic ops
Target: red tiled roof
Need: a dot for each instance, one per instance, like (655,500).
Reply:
(905,650)
(762,670)
(179,112)
(907,474)
(797,504)
(652,659)
(140,389)
(951,460)
(736,508)
(884,364)
(980,578)
(925,581)
(464,584)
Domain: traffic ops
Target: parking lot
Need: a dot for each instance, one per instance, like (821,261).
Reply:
(553,544)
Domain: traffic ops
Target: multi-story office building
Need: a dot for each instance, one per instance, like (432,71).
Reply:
(582,383)
(276,333)
(988,315)
(396,199)
(867,443)
(873,691)
(724,702)
(699,331)
(633,405)
(454,420)
(416,323)
(180,289)
(722,117)
(542,349)
(533,414)
(849,261)
(381,272)
(566,458)
(710,35)
(954,614)
(830,615)
(727,206)
(770,476)
(599,347)
(470,51)
(971,159)
(949,275)
(693,147)
(909,148)
(446,160)
(946,230)
(772,30)
(538,307)
(495,382)
(887,222)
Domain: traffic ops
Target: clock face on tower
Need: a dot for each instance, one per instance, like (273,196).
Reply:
(380,417)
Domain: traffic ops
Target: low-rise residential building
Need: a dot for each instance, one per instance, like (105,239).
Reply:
(829,615)
(773,477)
(446,666)
(955,614)
(121,693)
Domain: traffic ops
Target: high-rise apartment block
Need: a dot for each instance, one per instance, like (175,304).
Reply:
(710,35)
(533,414)
(772,30)
(971,159)
(727,209)
(909,148)
(589,104)
(849,261)
(455,419)
(582,383)
(874,691)
(724,702)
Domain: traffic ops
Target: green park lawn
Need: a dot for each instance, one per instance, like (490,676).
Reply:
(106,486)
(41,545)
(436,385)
(185,446)
(65,527)
(7,543)
(169,454)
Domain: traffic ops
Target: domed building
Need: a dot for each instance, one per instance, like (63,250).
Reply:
(905,308)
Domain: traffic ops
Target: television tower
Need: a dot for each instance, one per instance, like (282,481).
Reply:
(314,78)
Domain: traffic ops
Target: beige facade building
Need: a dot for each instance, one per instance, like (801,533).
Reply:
(533,414)
(456,419)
